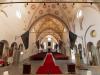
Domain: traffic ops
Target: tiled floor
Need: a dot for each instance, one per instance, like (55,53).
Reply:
(17,69)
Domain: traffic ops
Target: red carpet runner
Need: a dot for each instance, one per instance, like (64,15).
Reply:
(49,66)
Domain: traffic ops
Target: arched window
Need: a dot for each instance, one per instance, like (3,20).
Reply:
(5,48)
(89,45)
(98,44)
(14,46)
(20,47)
(80,46)
(1,48)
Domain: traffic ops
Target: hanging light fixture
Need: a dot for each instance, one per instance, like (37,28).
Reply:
(21,53)
(49,38)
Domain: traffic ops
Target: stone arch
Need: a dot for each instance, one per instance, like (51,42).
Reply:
(6,46)
(98,44)
(89,45)
(49,29)
(1,49)
(14,46)
(66,26)
(5,51)
(20,47)
(79,46)
(80,50)
(50,34)
(54,16)
(16,52)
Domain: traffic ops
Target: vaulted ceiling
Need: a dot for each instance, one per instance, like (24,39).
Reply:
(21,17)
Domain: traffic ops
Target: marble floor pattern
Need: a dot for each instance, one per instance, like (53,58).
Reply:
(18,68)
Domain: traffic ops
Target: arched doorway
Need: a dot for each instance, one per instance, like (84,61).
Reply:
(49,43)
(5,52)
(16,53)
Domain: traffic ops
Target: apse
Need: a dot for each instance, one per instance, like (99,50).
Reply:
(49,41)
